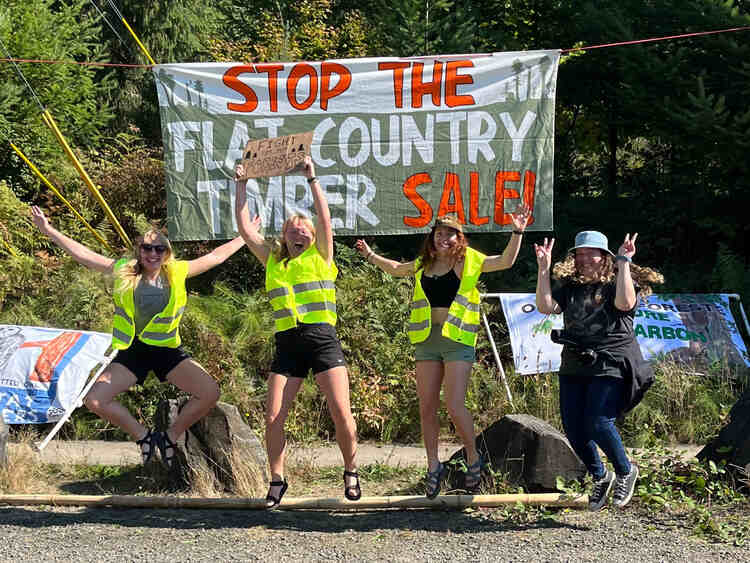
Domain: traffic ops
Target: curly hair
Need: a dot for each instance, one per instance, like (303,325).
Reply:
(428,251)
(642,276)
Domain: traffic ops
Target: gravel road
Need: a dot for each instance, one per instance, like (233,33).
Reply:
(112,535)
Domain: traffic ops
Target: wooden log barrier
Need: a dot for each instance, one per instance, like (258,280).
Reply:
(303,503)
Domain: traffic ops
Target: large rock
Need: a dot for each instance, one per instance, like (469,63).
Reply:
(526,451)
(733,442)
(220,446)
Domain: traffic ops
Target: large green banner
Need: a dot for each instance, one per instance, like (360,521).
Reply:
(396,141)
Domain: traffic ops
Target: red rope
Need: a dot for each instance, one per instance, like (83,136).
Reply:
(635,42)
(85,63)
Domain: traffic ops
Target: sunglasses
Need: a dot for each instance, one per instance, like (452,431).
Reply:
(158,248)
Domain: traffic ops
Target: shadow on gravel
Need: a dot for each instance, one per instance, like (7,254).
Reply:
(297,521)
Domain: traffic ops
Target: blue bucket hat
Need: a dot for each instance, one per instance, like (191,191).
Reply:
(591,239)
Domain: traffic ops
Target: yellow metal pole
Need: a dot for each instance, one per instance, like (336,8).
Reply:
(141,45)
(55,191)
(49,120)
(8,247)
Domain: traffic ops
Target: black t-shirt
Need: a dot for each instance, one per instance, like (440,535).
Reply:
(591,319)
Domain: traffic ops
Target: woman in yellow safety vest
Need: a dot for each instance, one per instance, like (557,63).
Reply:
(443,326)
(150,297)
(300,275)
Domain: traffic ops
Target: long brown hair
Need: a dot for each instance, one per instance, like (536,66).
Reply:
(428,251)
(130,273)
(642,276)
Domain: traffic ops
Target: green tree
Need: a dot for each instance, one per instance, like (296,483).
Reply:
(74,94)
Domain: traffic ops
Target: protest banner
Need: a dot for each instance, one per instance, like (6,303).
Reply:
(395,141)
(44,370)
(681,327)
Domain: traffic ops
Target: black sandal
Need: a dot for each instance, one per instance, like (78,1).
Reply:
(150,440)
(352,492)
(167,449)
(434,480)
(272,501)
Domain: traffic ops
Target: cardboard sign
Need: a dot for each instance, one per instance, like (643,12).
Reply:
(277,156)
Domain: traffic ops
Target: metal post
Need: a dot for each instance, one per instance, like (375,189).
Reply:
(77,403)
(497,356)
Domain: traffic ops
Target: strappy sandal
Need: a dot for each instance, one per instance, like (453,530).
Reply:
(150,440)
(352,492)
(433,480)
(272,501)
(167,449)
(473,478)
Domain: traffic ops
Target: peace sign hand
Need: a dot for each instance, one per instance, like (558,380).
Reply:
(628,246)
(544,254)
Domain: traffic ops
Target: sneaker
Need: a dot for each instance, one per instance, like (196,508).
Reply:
(624,487)
(600,492)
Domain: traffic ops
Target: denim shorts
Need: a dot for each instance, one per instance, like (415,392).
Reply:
(441,349)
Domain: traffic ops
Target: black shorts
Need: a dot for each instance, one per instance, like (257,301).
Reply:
(141,358)
(307,347)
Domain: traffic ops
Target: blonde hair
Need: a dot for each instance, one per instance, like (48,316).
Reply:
(428,251)
(278,245)
(130,273)
(642,276)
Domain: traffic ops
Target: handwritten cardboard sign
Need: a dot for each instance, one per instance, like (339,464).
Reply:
(277,156)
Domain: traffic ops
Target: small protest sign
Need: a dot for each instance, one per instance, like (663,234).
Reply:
(277,156)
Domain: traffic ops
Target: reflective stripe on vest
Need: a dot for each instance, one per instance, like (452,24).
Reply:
(301,289)
(162,329)
(462,323)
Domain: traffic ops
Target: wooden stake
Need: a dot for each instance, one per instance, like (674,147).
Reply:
(308,503)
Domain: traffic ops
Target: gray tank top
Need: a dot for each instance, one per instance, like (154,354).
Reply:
(150,299)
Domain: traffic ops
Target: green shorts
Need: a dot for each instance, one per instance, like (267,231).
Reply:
(441,349)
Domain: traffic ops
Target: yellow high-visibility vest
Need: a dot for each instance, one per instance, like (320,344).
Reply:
(162,329)
(462,323)
(301,289)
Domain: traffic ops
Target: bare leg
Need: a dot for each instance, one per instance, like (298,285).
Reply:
(281,393)
(100,399)
(429,380)
(190,377)
(456,382)
(335,386)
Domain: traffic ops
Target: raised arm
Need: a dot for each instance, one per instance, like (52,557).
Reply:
(544,302)
(217,256)
(505,260)
(625,296)
(397,269)
(80,253)
(323,230)
(249,230)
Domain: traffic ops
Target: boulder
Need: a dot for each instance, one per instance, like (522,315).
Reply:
(525,451)
(733,442)
(220,444)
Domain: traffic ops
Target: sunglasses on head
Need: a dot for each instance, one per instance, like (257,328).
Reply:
(158,248)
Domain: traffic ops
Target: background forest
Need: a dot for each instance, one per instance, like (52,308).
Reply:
(651,138)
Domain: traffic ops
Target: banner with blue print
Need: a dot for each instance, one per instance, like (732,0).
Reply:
(680,327)
(44,370)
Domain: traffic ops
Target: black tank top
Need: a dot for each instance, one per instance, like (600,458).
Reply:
(441,290)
